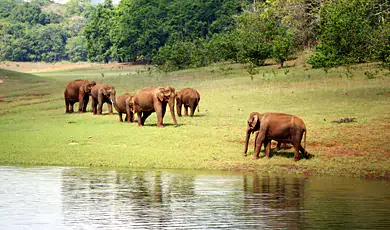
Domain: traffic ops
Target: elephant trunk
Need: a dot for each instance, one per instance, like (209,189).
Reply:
(247,136)
(171,104)
(115,105)
(113,100)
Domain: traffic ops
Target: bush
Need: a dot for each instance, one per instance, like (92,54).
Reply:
(383,44)
(346,33)
(182,55)
(282,46)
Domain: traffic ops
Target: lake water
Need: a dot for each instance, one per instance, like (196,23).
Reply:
(78,198)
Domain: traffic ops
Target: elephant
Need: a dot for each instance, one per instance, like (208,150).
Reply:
(189,98)
(78,91)
(154,99)
(280,127)
(124,104)
(102,93)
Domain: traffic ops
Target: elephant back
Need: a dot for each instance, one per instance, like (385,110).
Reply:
(189,92)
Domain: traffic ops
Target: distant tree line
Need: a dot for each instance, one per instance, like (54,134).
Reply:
(179,34)
(41,30)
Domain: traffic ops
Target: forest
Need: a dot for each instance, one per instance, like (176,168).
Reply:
(180,34)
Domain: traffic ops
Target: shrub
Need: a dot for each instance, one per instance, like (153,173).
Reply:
(346,34)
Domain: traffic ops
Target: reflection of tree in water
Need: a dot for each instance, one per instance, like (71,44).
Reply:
(121,198)
(276,201)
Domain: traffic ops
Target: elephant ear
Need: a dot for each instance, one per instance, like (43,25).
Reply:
(160,94)
(92,84)
(255,120)
(88,86)
(104,91)
(130,101)
(177,96)
(171,91)
(85,88)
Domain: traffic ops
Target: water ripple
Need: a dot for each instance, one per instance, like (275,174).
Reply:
(75,198)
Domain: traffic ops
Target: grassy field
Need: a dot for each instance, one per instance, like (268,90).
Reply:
(36,131)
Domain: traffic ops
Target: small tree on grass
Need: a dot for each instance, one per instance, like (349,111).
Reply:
(282,46)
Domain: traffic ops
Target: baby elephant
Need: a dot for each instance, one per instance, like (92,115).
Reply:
(283,128)
(124,104)
(189,98)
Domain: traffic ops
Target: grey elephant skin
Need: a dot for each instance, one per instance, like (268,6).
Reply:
(280,127)
(154,99)
(189,98)
(77,91)
(100,94)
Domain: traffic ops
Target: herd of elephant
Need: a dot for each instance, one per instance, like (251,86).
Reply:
(283,128)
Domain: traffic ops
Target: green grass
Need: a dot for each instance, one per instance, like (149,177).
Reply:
(36,131)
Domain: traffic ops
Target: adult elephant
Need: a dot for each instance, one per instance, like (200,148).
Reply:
(189,98)
(154,99)
(280,127)
(124,104)
(77,91)
(100,94)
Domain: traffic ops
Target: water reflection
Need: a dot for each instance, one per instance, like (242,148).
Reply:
(275,199)
(76,198)
(123,199)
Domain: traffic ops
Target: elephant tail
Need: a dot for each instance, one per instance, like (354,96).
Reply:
(198,104)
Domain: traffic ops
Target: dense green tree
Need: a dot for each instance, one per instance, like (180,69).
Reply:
(50,41)
(76,49)
(179,34)
(97,33)
(6,7)
(347,32)
(142,27)
(282,46)
(76,7)
(255,34)
(30,12)
(36,31)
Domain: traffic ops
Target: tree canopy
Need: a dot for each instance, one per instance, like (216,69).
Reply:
(177,34)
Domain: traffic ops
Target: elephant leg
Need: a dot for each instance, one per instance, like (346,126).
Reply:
(303,151)
(185,110)
(160,115)
(120,117)
(67,106)
(193,109)
(93,106)
(296,147)
(259,142)
(81,105)
(71,107)
(144,116)
(267,147)
(256,134)
(178,108)
(139,118)
(86,100)
(130,117)
(163,110)
(100,108)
